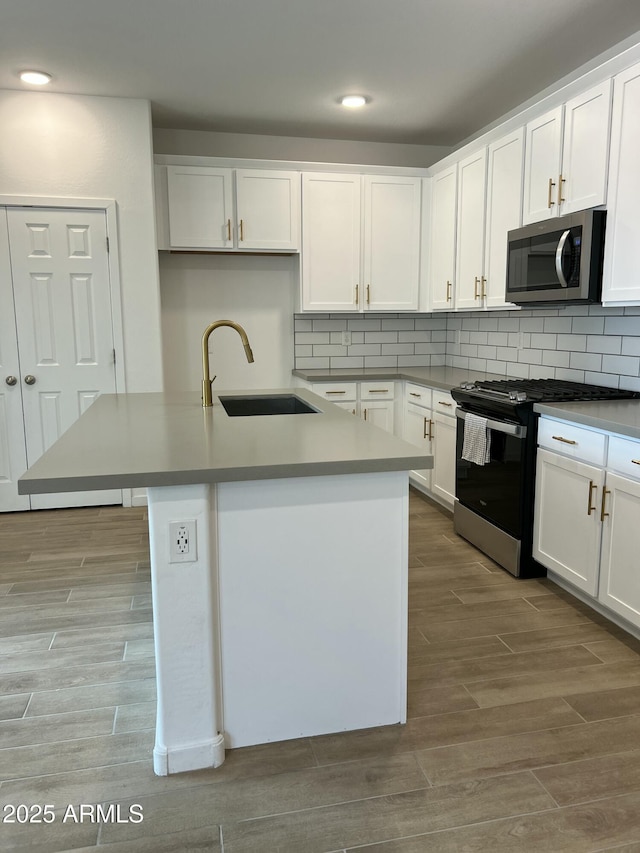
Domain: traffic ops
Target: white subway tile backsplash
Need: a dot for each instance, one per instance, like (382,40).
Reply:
(582,343)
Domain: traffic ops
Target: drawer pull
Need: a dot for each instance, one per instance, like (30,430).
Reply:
(592,487)
(334,392)
(565,440)
(378,391)
(413,394)
(442,403)
(636,461)
(605,492)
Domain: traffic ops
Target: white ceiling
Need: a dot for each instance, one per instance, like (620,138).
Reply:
(436,71)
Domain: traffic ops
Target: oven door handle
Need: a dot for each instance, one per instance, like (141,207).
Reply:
(516,430)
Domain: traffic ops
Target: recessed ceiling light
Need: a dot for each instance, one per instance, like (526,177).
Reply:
(353,101)
(36,78)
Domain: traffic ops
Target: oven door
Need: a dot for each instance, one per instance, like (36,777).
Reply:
(496,490)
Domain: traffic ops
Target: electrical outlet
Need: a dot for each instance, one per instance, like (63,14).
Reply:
(346,338)
(182,542)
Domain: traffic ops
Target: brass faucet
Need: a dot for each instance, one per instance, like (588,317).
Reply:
(207,398)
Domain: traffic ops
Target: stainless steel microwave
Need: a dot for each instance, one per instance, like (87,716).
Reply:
(557,261)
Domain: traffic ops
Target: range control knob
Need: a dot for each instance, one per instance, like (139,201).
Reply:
(518,396)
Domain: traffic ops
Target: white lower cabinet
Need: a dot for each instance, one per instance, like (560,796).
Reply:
(586,527)
(429,423)
(372,401)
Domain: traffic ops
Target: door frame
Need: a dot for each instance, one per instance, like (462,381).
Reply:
(110,208)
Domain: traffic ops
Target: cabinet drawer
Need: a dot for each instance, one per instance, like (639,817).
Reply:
(377,391)
(418,395)
(571,440)
(336,391)
(443,402)
(624,456)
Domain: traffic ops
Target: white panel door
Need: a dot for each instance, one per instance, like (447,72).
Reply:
(392,242)
(444,458)
(619,578)
(331,242)
(13,452)
(60,271)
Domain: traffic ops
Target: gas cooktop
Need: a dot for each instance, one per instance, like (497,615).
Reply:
(529,391)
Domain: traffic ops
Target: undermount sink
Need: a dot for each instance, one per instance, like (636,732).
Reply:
(266,404)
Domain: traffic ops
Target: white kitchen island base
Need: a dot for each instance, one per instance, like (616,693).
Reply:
(291,622)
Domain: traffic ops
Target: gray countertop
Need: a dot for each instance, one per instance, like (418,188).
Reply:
(438,377)
(156,439)
(619,416)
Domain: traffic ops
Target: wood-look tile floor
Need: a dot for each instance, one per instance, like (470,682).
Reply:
(523,731)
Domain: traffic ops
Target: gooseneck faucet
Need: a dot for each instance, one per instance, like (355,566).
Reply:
(207,398)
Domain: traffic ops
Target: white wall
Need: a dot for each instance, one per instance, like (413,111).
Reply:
(95,147)
(256,291)
(253,146)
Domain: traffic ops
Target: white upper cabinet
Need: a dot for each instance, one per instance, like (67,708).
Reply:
(566,156)
(361,242)
(200,203)
(391,262)
(442,242)
(233,209)
(504,212)
(331,223)
(472,181)
(621,282)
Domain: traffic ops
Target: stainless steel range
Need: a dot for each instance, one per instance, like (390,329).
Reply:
(495,490)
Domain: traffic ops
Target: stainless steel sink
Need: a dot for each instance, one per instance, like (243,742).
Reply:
(266,404)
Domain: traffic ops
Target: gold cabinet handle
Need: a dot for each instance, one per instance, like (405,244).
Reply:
(357,294)
(229,230)
(636,461)
(565,440)
(413,394)
(353,411)
(442,403)
(476,282)
(334,392)
(605,492)
(561,181)
(368,295)
(426,434)
(449,286)
(365,414)
(592,488)
(550,201)
(483,289)
(241,230)
(378,391)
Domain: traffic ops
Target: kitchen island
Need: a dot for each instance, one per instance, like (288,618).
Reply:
(278,563)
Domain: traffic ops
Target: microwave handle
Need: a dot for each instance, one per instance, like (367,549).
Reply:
(559,251)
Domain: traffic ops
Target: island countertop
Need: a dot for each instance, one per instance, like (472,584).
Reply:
(160,439)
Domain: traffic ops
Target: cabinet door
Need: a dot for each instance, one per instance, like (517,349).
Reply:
(472,176)
(418,430)
(567,528)
(379,413)
(13,454)
(542,167)
(585,150)
(331,242)
(391,243)
(268,210)
(444,458)
(442,246)
(504,211)
(619,577)
(621,284)
(200,207)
